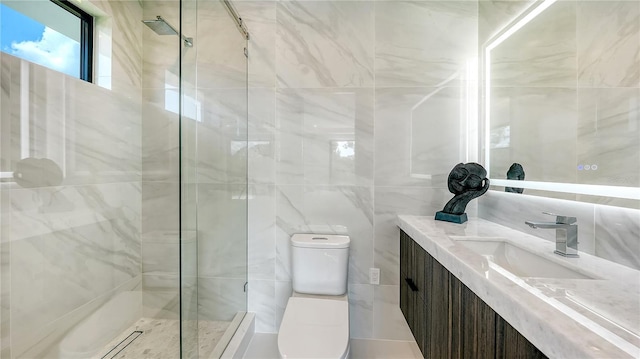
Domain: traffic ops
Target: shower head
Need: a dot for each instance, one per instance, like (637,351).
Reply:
(162,27)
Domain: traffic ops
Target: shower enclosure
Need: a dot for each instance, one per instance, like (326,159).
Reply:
(123,200)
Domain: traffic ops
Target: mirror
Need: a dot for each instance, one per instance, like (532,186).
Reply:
(562,98)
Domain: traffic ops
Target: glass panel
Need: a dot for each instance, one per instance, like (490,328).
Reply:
(214,178)
(190,115)
(160,322)
(73,223)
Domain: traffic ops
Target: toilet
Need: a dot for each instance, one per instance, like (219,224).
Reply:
(316,319)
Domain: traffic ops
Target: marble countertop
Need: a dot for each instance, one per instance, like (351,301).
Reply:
(564,318)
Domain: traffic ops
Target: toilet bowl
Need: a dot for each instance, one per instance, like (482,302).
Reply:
(315,328)
(316,320)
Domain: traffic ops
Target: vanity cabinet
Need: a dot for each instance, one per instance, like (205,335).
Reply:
(446,318)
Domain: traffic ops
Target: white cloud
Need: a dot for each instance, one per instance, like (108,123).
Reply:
(54,50)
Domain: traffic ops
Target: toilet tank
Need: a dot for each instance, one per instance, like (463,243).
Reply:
(319,263)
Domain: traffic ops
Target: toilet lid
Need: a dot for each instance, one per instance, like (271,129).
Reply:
(314,328)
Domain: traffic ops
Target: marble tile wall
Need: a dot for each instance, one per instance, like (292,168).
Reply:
(595,66)
(70,244)
(344,101)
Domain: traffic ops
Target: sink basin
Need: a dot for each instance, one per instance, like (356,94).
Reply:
(519,261)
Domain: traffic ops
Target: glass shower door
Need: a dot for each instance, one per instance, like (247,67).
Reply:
(213,126)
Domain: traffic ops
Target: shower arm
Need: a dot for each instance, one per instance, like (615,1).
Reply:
(188,41)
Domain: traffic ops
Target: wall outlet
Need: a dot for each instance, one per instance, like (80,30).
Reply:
(374,276)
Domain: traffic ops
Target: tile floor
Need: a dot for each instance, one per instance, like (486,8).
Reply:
(265,346)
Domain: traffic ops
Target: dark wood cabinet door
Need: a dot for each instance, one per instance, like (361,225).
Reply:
(419,328)
(405,305)
(437,301)
(478,326)
(456,319)
(511,344)
(406,255)
(447,319)
(404,267)
(419,272)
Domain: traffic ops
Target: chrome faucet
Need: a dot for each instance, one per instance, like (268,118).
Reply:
(566,234)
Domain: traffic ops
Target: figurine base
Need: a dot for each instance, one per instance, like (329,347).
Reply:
(454,218)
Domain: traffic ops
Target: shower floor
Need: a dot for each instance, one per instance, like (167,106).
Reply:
(160,339)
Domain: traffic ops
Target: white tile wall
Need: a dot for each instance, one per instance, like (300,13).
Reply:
(387,76)
(324,44)
(423,43)
(326,73)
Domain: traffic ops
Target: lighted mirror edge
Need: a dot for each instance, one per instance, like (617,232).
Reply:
(588,189)
(536,9)
(529,14)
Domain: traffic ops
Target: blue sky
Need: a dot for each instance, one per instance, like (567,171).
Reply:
(28,39)
(15,26)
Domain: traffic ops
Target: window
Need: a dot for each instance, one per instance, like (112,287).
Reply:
(54,33)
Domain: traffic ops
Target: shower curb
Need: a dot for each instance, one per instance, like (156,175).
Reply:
(241,338)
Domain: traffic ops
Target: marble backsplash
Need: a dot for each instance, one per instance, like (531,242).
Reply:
(612,233)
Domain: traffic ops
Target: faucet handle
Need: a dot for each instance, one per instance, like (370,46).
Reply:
(560,219)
